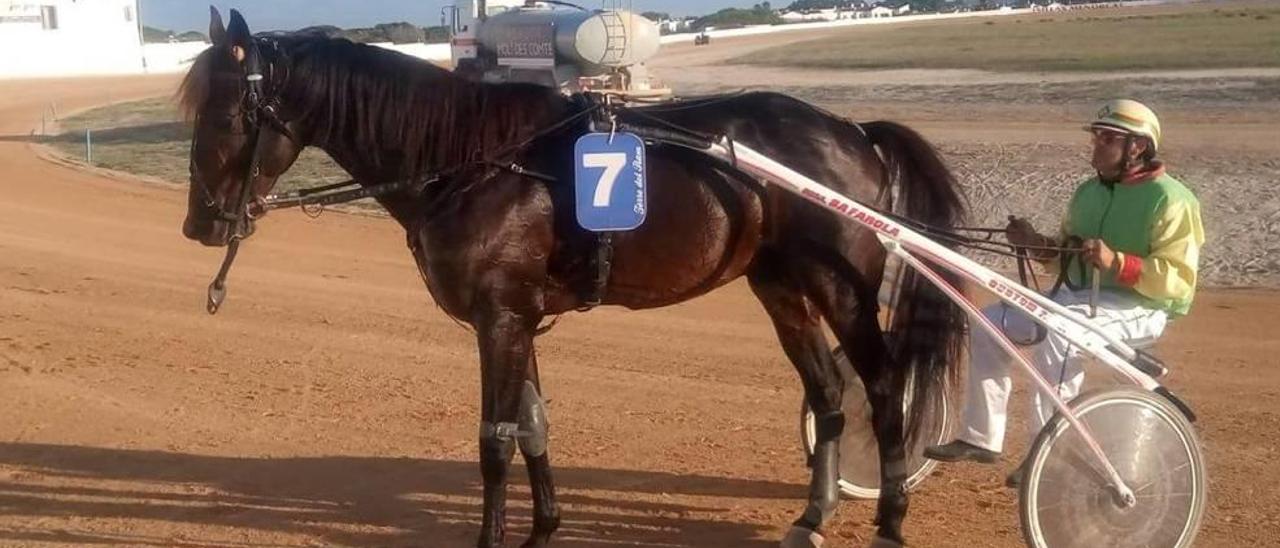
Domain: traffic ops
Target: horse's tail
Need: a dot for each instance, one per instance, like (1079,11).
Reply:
(927,331)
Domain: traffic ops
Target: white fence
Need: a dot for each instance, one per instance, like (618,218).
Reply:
(176,57)
(769,29)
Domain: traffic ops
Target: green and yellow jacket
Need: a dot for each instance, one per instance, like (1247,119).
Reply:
(1153,222)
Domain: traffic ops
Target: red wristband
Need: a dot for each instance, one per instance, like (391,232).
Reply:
(1130,270)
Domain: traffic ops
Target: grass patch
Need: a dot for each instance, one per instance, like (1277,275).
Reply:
(148,138)
(1189,37)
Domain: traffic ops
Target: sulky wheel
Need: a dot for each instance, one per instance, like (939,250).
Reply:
(859,452)
(1065,500)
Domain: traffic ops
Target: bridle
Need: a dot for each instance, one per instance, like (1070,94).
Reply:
(256,107)
(259,111)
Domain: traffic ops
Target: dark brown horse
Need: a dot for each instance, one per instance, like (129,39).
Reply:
(499,248)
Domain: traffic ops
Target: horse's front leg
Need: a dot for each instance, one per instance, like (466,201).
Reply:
(505,333)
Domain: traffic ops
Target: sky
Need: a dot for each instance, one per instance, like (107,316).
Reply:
(262,15)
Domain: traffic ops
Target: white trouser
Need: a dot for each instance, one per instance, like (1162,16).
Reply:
(1060,362)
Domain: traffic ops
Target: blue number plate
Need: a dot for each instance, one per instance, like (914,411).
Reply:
(609,181)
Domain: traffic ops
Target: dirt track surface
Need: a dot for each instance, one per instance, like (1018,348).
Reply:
(331,403)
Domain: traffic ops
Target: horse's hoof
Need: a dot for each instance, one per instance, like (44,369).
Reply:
(881,542)
(799,537)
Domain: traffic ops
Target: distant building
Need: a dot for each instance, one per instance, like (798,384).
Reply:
(69,37)
(673,26)
(793,16)
(828,14)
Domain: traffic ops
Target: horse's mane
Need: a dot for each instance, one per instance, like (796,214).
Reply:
(386,106)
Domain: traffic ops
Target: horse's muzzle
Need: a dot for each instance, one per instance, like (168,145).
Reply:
(210,232)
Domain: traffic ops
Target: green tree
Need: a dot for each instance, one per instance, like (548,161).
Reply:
(437,35)
(151,35)
(192,36)
(736,17)
(926,6)
(401,33)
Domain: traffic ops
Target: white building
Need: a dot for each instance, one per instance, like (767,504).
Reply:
(69,37)
(827,14)
(672,26)
(881,11)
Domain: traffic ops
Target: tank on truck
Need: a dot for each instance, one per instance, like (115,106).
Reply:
(556,44)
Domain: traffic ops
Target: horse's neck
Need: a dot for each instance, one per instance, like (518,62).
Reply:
(478,122)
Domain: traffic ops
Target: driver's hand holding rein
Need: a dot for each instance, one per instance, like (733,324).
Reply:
(1140,227)
(1094,251)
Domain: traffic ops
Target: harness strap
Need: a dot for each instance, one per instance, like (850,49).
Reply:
(318,196)
(1025,270)
(1075,244)
(601,266)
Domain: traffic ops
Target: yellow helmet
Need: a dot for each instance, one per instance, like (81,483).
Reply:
(1131,117)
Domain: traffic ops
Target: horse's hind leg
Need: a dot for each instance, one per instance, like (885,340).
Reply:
(533,447)
(850,310)
(799,331)
(886,385)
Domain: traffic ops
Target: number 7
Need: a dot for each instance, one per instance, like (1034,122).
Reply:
(612,162)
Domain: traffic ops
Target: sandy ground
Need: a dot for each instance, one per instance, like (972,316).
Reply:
(330,402)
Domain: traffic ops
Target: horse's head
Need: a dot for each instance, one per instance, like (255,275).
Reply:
(240,143)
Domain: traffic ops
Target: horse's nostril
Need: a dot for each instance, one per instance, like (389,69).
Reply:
(189,229)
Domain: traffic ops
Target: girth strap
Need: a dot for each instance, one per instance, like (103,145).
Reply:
(601,267)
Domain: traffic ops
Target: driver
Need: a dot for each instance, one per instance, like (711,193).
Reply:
(1141,230)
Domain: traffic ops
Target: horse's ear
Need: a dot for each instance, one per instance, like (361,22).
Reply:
(217,32)
(238,36)
(238,31)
